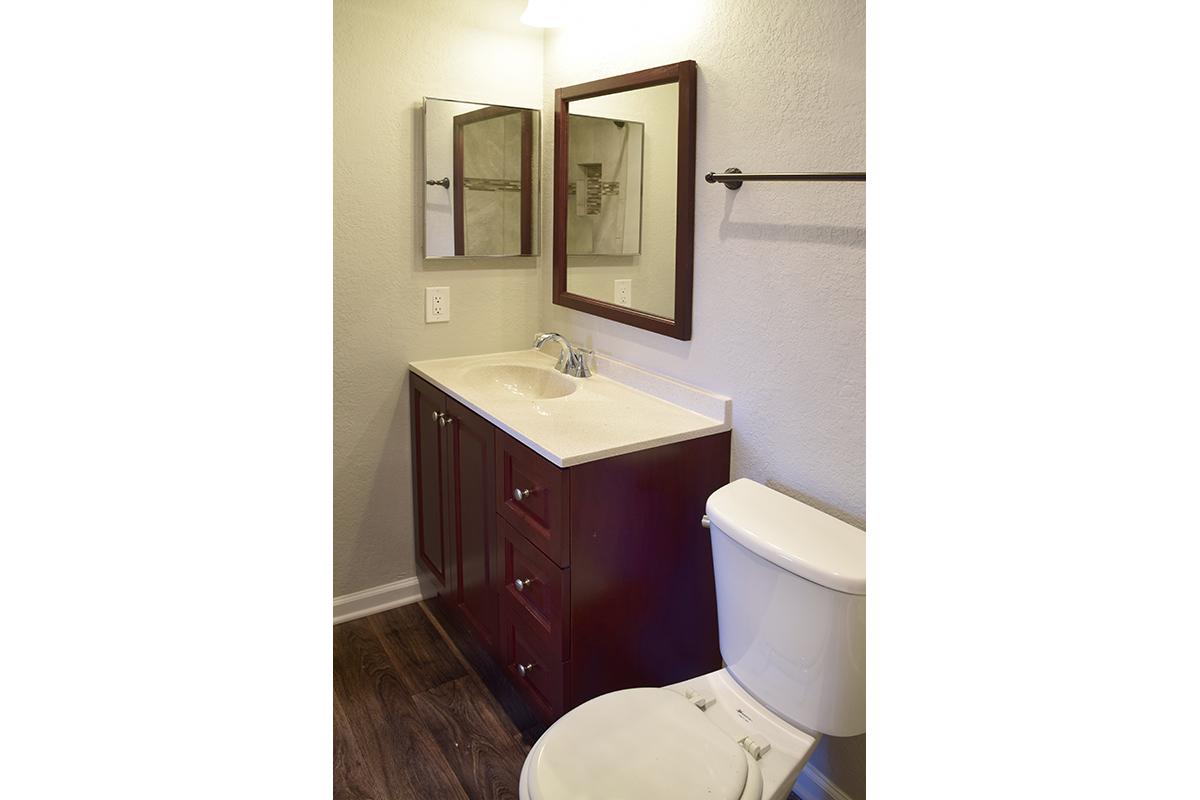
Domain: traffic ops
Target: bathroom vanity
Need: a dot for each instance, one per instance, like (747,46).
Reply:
(559,518)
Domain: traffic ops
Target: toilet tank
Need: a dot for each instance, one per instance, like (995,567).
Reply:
(791,606)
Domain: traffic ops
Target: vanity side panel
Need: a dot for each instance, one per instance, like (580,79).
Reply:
(643,601)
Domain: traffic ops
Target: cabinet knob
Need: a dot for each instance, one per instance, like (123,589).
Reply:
(521,494)
(522,583)
(437,415)
(524,669)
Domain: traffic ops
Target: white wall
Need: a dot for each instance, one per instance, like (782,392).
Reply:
(387,55)
(778,312)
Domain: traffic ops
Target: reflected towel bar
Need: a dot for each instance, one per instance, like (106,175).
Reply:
(733,177)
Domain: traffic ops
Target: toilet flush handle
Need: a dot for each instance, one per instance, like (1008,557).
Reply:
(704,521)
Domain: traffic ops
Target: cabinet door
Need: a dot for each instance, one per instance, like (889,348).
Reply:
(428,404)
(472,517)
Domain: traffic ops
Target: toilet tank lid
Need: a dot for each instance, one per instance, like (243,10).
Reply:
(792,535)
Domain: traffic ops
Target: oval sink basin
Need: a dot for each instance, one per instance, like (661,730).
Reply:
(532,383)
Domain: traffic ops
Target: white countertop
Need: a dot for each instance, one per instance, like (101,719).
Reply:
(601,418)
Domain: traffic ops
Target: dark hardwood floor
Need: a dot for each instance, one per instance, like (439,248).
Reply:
(421,711)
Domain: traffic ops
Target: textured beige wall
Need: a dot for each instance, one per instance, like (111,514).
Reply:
(778,312)
(387,55)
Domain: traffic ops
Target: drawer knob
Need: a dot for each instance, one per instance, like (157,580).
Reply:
(521,494)
(524,669)
(522,583)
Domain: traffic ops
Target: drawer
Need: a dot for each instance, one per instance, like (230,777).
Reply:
(542,677)
(538,589)
(542,513)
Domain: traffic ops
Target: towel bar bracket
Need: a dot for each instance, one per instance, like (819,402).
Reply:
(729,184)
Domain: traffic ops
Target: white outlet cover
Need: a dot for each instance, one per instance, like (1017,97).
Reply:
(623,292)
(437,303)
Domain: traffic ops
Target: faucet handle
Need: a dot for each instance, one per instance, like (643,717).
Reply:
(582,354)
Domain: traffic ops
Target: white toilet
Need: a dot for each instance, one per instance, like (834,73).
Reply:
(791,609)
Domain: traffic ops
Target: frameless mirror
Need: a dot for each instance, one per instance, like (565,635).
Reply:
(481,180)
(624,197)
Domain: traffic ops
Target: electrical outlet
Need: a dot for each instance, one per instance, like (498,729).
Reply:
(623,292)
(437,303)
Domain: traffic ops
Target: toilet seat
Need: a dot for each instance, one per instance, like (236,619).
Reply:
(639,743)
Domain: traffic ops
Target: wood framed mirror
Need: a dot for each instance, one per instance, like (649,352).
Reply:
(624,197)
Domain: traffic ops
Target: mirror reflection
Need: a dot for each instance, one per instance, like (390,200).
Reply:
(622,182)
(606,186)
(481,179)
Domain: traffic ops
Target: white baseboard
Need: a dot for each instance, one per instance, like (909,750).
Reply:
(813,785)
(379,598)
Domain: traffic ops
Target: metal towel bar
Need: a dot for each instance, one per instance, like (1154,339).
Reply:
(733,177)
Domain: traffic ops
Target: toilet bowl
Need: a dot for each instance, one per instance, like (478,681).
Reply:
(663,743)
(791,600)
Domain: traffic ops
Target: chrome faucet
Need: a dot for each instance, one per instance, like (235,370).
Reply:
(571,360)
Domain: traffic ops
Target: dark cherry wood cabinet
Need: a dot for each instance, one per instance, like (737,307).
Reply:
(578,581)
(454,505)
(428,405)
(472,517)
(534,497)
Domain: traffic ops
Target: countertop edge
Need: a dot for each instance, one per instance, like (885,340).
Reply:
(575,460)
